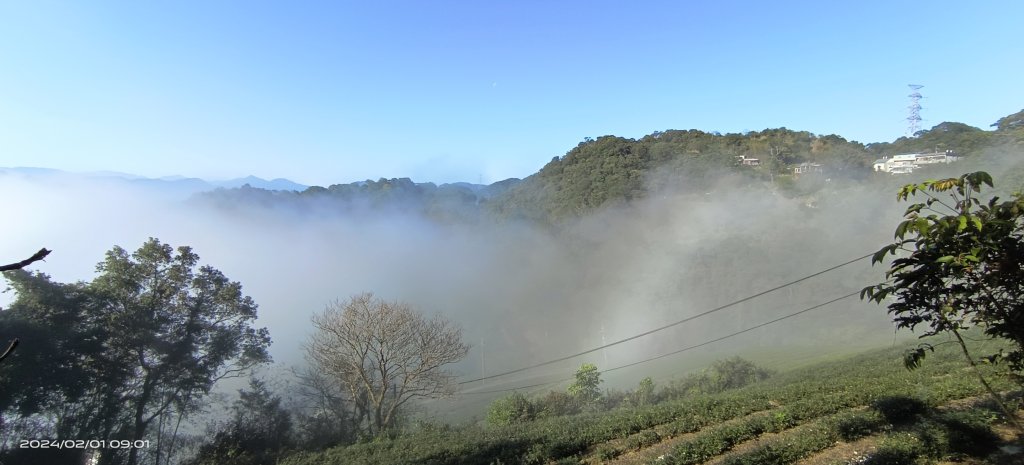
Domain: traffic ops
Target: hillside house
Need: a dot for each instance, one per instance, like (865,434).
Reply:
(906,163)
(743,160)
(807,167)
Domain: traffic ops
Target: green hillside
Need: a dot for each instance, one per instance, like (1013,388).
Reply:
(613,171)
(804,411)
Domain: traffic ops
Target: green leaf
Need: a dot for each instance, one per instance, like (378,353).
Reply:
(880,255)
(963,223)
(977,223)
(915,208)
(901,230)
(912,358)
(985,178)
(922,226)
(946,259)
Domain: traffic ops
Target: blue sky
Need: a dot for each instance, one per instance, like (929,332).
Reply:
(334,91)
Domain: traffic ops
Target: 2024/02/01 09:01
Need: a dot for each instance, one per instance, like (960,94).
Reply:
(82,444)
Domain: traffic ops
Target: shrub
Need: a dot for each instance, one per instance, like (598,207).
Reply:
(969,433)
(643,439)
(735,373)
(606,452)
(515,408)
(556,404)
(613,399)
(585,388)
(854,426)
(901,449)
(644,393)
(899,409)
(726,374)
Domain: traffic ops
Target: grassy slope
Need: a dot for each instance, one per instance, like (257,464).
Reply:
(798,397)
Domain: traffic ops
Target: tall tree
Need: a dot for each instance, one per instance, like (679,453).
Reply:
(586,387)
(176,327)
(153,331)
(52,386)
(385,354)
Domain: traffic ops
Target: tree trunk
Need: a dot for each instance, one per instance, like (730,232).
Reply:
(139,430)
(995,397)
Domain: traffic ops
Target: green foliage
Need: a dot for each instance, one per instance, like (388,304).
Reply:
(586,387)
(963,263)
(556,404)
(899,409)
(1010,122)
(851,426)
(611,171)
(643,439)
(964,139)
(613,399)
(736,372)
(731,373)
(606,452)
(515,408)
(258,434)
(828,393)
(151,334)
(968,432)
(644,393)
(61,359)
(901,449)
(460,202)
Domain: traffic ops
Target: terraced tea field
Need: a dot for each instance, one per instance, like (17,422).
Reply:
(814,413)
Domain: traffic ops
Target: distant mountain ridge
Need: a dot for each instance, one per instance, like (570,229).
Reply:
(607,171)
(174,182)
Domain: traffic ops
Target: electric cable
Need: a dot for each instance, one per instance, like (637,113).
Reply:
(664,327)
(688,348)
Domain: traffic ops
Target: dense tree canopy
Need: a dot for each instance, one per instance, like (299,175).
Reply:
(150,335)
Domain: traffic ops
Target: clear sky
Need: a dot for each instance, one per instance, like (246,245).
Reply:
(334,91)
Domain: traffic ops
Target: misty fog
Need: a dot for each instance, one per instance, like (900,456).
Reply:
(522,293)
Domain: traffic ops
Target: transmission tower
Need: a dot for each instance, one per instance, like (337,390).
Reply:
(914,118)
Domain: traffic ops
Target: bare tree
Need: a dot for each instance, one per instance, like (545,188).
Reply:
(384,354)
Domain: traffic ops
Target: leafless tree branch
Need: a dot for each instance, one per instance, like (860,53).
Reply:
(385,354)
(10,349)
(41,254)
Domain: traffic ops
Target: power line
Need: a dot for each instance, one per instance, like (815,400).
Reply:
(661,328)
(737,333)
(517,388)
(688,348)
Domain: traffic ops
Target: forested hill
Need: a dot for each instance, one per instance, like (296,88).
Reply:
(613,170)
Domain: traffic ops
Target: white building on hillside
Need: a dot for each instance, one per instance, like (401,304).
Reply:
(808,167)
(906,163)
(743,160)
